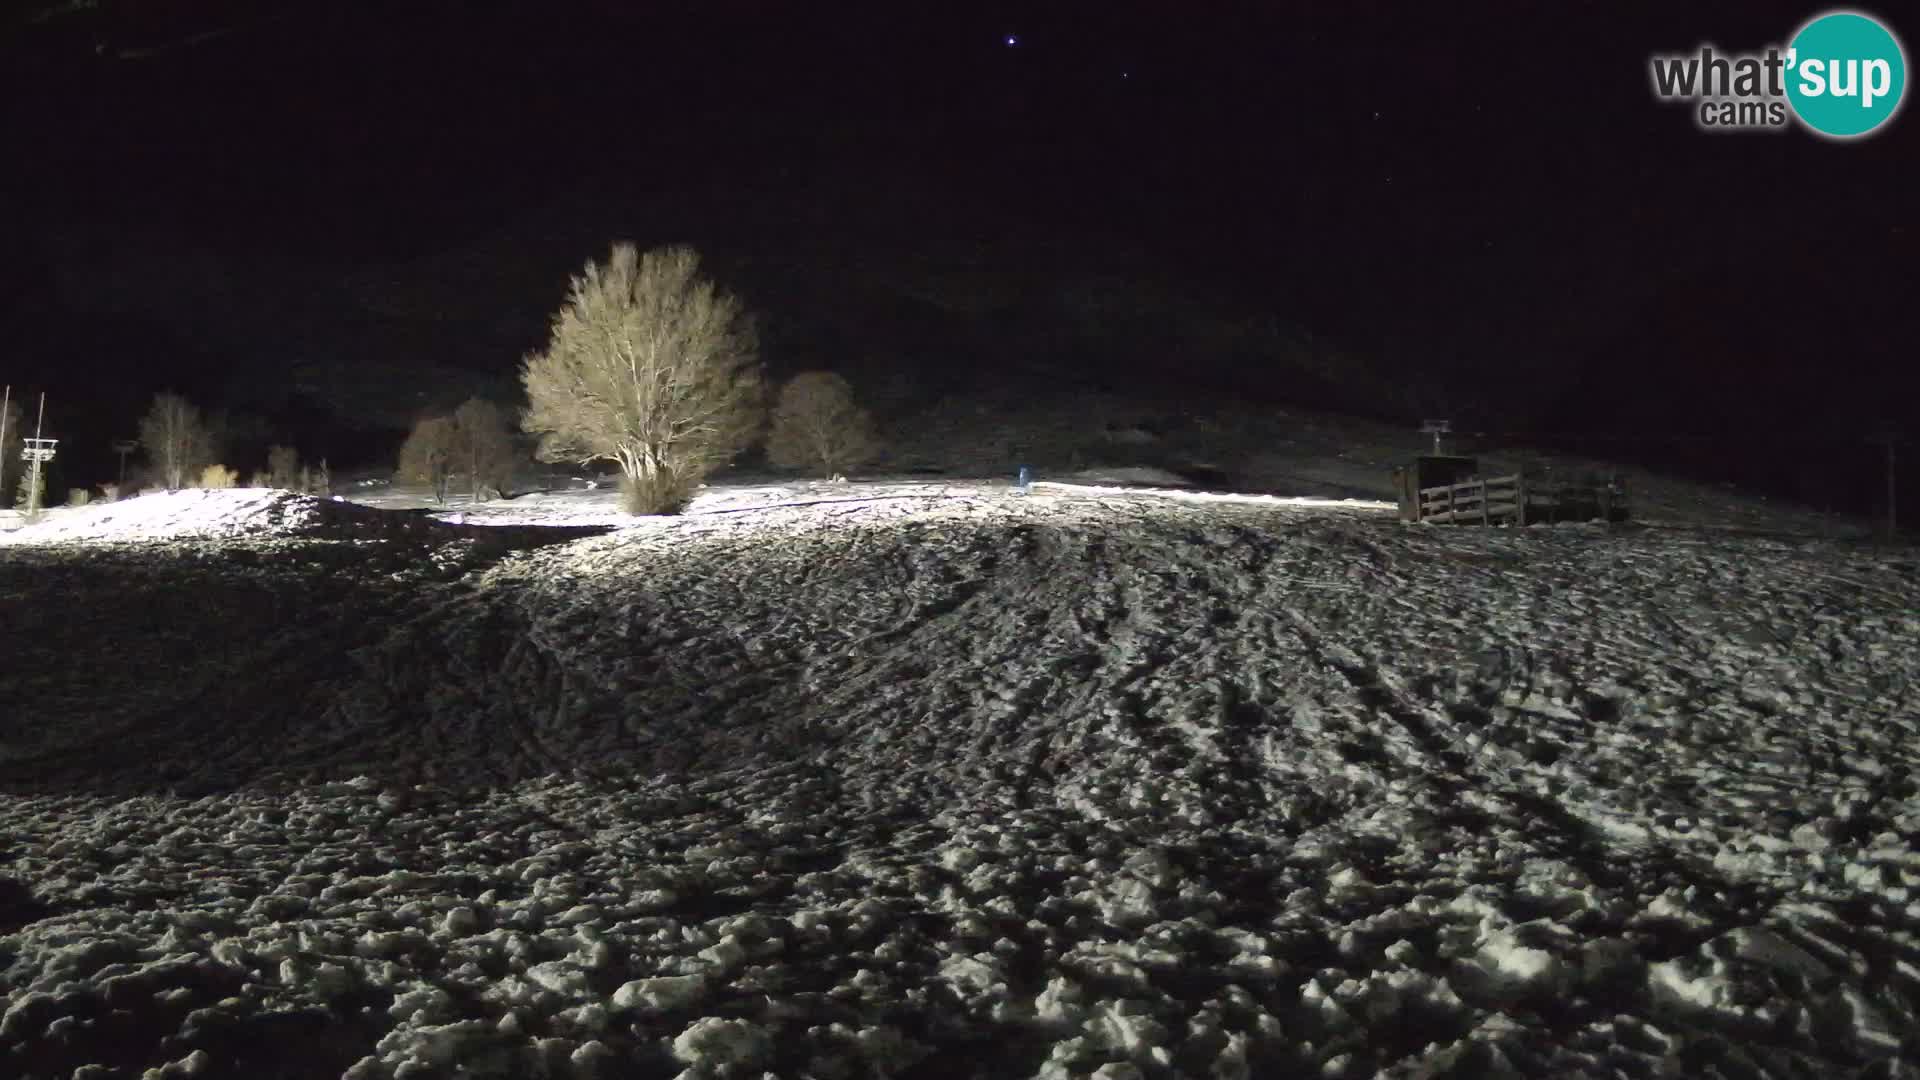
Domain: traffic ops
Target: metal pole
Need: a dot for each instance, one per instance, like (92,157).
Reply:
(33,485)
(6,402)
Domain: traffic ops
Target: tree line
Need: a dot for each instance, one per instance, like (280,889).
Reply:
(648,366)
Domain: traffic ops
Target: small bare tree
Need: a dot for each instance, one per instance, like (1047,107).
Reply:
(651,367)
(283,468)
(218,476)
(320,480)
(177,440)
(485,446)
(817,424)
(32,491)
(427,455)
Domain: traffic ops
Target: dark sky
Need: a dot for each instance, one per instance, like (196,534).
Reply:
(1483,190)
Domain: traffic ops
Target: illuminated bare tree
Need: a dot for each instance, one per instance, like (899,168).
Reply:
(483,441)
(31,492)
(817,424)
(428,454)
(650,367)
(177,441)
(283,468)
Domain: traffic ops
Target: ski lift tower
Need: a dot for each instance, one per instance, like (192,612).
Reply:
(123,447)
(37,451)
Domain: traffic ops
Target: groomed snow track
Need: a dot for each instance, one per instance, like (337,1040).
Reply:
(976,785)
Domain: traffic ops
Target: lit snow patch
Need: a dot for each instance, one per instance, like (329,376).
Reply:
(1206,497)
(174,515)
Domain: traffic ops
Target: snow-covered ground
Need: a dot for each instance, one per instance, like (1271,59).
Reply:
(941,780)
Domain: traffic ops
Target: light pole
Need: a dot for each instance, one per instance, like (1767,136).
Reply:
(6,406)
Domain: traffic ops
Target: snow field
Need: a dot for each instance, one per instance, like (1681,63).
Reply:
(896,781)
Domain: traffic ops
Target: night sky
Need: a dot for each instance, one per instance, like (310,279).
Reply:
(1478,210)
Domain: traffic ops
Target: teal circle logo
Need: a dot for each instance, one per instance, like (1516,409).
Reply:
(1846,74)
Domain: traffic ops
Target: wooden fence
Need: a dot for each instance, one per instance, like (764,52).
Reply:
(1522,500)
(1479,502)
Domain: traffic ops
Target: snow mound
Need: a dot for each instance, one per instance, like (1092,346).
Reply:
(194,514)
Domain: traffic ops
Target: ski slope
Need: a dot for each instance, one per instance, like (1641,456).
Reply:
(932,780)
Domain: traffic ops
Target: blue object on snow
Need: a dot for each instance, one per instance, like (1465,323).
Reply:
(1025,481)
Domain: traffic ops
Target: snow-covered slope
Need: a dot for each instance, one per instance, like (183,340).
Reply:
(917,780)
